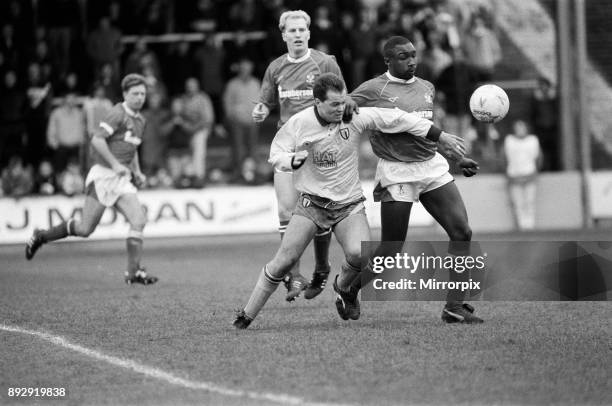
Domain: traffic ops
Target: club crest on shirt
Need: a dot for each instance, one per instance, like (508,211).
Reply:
(429,97)
(393,99)
(310,78)
(345,133)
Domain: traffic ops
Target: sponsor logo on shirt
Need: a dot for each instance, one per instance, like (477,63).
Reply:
(325,159)
(393,99)
(294,93)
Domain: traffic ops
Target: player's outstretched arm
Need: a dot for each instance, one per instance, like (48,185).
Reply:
(451,146)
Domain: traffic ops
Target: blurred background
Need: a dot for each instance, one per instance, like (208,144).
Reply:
(61,62)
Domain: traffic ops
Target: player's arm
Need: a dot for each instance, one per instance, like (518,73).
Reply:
(138,178)
(284,153)
(267,97)
(100,144)
(398,121)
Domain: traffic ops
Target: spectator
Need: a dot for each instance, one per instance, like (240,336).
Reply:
(523,158)
(209,59)
(39,96)
(44,181)
(179,145)
(200,119)
(62,17)
(238,99)
(434,59)
(12,113)
(17,178)
(142,58)
(155,138)
(9,47)
(66,132)
(104,45)
(70,181)
(482,50)
(95,109)
(455,85)
(544,118)
(181,68)
(107,78)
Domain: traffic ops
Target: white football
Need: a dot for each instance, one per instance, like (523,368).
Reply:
(489,103)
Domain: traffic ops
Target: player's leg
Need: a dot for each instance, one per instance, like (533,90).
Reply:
(91,215)
(287,197)
(394,219)
(350,232)
(129,205)
(300,231)
(447,208)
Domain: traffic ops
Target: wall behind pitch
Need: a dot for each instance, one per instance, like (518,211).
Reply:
(239,210)
(559,202)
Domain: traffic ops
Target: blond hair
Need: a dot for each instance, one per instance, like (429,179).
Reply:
(282,21)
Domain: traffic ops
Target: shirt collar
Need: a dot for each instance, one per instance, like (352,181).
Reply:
(394,79)
(321,120)
(129,111)
(300,59)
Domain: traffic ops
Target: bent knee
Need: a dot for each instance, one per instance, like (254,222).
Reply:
(461,234)
(353,257)
(83,230)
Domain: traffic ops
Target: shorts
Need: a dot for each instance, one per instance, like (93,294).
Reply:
(106,186)
(326,213)
(407,181)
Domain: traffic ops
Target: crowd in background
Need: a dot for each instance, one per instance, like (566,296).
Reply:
(61,62)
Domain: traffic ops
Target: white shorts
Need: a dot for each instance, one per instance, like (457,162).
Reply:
(109,186)
(406,181)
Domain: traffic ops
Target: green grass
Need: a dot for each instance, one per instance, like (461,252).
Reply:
(397,353)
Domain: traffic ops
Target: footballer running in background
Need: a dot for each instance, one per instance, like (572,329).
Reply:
(111,180)
(288,83)
(323,151)
(410,168)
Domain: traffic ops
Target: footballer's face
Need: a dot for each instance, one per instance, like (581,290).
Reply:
(135,97)
(296,35)
(402,61)
(332,109)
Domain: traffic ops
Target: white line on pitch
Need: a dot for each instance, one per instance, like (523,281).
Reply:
(156,373)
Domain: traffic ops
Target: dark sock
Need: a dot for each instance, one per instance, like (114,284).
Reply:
(322,241)
(134,251)
(59,231)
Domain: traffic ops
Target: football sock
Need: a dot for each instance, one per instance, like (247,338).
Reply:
(455,297)
(348,275)
(134,251)
(265,286)
(322,241)
(295,270)
(62,230)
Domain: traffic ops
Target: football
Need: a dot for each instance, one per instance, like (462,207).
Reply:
(489,104)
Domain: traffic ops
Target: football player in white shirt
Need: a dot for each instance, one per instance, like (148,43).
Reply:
(323,152)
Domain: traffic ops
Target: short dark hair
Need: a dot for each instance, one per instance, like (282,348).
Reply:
(391,43)
(325,82)
(131,80)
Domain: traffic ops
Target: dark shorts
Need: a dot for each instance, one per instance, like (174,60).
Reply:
(326,213)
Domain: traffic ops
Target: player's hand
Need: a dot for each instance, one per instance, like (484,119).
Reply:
(469,167)
(298,159)
(260,112)
(121,169)
(451,146)
(139,179)
(350,108)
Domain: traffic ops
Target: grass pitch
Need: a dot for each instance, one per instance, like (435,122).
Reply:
(301,353)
